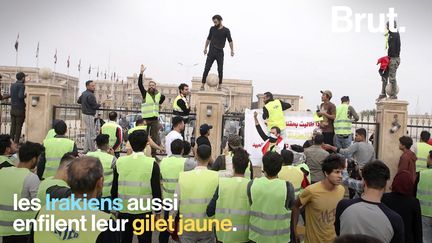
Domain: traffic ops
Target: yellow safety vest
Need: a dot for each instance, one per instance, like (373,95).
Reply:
(342,123)
(51,134)
(47,183)
(55,148)
(292,174)
(6,159)
(177,110)
(170,168)
(424,192)
(72,234)
(269,222)
(422,155)
(276,115)
(233,204)
(134,176)
(196,190)
(150,106)
(12,182)
(110,129)
(137,128)
(107,161)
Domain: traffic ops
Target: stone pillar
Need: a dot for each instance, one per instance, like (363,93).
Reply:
(41,97)
(390,115)
(209,109)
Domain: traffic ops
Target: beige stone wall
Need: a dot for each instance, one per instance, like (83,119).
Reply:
(388,148)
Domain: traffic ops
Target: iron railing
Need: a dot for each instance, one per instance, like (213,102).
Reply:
(72,115)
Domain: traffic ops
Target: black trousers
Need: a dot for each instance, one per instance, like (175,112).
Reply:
(212,55)
(127,235)
(328,137)
(16,239)
(17,120)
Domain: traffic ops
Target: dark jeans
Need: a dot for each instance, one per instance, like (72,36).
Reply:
(17,120)
(127,235)
(212,55)
(153,131)
(16,239)
(164,235)
(328,137)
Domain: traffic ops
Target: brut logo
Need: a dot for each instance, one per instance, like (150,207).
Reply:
(343,20)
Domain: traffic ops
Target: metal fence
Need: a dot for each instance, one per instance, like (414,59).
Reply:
(72,115)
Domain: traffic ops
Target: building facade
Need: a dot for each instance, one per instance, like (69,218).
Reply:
(237,93)
(70,84)
(126,94)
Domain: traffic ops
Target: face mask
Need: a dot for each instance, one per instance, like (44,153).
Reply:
(273,136)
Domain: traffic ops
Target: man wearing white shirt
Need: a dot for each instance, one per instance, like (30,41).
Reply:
(178,127)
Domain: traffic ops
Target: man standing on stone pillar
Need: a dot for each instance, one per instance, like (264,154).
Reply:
(88,108)
(393,45)
(216,39)
(152,99)
(18,106)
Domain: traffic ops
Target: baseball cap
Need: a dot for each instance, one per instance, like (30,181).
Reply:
(204,128)
(234,141)
(327,92)
(20,75)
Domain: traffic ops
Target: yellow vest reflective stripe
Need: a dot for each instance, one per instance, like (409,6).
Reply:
(137,128)
(47,183)
(424,192)
(170,168)
(135,172)
(55,148)
(107,162)
(196,190)
(342,123)
(422,154)
(276,115)
(233,204)
(292,174)
(110,129)
(269,222)
(150,107)
(6,159)
(7,190)
(72,234)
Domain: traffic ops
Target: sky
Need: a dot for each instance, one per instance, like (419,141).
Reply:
(283,46)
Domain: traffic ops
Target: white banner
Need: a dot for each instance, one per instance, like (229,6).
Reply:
(300,126)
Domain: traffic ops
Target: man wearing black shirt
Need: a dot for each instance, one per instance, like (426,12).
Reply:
(393,46)
(217,37)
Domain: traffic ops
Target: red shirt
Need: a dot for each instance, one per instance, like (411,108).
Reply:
(407,162)
(384,62)
(430,141)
